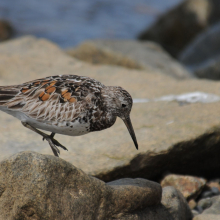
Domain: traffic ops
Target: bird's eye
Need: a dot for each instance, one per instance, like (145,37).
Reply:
(123,105)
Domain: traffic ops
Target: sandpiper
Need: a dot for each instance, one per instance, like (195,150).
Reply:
(67,104)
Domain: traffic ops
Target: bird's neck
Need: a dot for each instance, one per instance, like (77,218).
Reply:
(108,98)
(104,117)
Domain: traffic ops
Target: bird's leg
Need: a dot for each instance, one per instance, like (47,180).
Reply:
(52,142)
(55,141)
(51,135)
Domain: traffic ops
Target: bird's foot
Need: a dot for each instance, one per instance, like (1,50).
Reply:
(58,144)
(54,144)
(51,135)
(50,138)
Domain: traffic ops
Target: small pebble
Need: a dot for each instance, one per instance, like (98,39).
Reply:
(192,204)
(199,209)
(215,190)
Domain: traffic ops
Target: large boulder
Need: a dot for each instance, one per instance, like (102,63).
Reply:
(35,186)
(179,26)
(130,54)
(179,134)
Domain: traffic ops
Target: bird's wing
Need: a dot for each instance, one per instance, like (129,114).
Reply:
(55,98)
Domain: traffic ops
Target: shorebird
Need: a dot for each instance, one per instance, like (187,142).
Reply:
(67,104)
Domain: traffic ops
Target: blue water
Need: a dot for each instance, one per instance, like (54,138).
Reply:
(69,22)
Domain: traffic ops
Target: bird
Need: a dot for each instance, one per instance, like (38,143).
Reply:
(67,104)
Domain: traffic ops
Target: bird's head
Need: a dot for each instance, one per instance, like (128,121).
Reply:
(120,102)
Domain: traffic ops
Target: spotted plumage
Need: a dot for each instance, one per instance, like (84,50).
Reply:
(66,104)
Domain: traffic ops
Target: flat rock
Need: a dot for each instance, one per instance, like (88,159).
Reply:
(189,186)
(177,136)
(35,186)
(131,54)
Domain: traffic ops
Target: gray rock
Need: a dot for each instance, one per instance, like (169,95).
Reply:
(205,203)
(195,213)
(202,56)
(145,55)
(207,194)
(46,187)
(35,186)
(203,48)
(173,207)
(199,209)
(176,28)
(209,69)
(214,208)
(215,190)
(174,201)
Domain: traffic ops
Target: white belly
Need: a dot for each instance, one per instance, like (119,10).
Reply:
(66,128)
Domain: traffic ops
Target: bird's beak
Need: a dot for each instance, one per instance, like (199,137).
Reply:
(129,126)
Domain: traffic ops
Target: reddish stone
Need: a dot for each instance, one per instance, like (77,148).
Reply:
(189,186)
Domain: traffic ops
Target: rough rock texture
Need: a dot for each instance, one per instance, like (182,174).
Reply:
(172,136)
(207,217)
(35,186)
(189,186)
(6,30)
(131,54)
(202,56)
(173,207)
(174,201)
(205,203)
(46,187)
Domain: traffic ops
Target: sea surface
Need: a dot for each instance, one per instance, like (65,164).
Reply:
(69,22)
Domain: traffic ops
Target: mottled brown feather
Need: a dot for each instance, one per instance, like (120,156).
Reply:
(50,89)
(56,95)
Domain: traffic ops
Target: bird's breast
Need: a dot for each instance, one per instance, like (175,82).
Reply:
(101,120)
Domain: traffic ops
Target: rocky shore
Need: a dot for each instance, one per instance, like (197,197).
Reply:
(173,175)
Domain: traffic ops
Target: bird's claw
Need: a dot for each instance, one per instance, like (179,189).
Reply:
(54,144)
